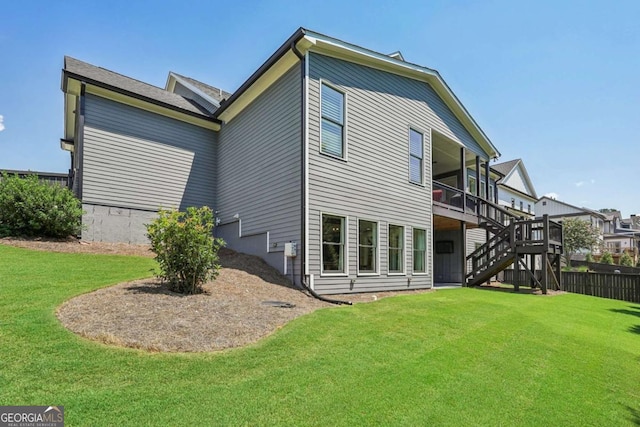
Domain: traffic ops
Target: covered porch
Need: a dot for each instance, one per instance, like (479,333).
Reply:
(462,184)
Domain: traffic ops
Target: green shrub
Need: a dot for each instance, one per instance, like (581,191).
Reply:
(626,260)
(29,207)
(186,251)
(606,258)
(589,257)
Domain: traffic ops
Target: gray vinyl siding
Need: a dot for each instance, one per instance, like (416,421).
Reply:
(187,93)
(373,183)
(137,159)
(259,165)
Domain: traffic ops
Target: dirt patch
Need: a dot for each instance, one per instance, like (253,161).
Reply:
(499,287)
(73,245)
(240,307)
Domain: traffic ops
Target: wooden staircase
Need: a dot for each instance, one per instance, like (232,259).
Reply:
(514,241)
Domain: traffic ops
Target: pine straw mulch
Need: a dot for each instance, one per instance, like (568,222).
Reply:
(145,314)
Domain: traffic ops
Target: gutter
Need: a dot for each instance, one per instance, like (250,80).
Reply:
(69,75)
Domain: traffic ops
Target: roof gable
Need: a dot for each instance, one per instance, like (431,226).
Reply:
(516,177)
(303,41)
(210,93)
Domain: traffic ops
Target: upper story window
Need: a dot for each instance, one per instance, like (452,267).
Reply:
(513,203)
(521,205)
(416,156)
(471,185)
(529,207)
(491,194)
(332,127)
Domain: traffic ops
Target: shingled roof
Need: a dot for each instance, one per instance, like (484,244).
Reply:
(103,77)
(214,92)
(505,167)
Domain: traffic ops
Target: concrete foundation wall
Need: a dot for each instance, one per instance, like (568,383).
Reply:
(115,225)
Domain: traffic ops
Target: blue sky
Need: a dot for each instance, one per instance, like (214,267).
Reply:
(552,82)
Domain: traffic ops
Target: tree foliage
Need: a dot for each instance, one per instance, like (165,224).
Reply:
(29,207)
(626,260)
(186,251)
(577,235)
(606,258)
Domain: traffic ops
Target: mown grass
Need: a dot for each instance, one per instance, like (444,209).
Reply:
(453,357)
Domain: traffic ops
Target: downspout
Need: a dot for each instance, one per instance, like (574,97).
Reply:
(80,111)
(303,211)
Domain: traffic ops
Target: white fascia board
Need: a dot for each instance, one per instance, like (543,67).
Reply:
(265,81)
(171,84)
(349,52)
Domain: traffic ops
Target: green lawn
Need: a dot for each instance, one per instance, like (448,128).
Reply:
(452,357)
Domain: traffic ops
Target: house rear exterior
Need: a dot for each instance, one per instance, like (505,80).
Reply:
(329,151)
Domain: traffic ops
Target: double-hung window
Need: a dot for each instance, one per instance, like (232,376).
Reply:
(333,138)
(333,244)
(367,246)
(471,185)
(419,250)
(416,157)
(396,249)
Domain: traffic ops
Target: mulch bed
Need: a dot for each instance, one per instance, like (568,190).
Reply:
(239,308)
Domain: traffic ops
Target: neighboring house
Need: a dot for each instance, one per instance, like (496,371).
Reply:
(515,189)
(559,211)
(61,179)
(330,146)
(621,235)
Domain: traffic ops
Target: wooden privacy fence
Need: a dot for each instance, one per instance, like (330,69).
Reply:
(625,287)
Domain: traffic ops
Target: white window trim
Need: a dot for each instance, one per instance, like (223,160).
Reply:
(368,273)
(345,146)
(426,253)
(404,251)
(471,189)
(409,156)
(346,247)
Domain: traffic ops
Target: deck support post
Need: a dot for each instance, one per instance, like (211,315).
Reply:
(463,251)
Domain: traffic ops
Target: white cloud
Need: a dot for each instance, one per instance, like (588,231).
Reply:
(593,181)
(579,184)
(1,124)
(553,196)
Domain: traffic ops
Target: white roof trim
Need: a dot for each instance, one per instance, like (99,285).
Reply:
(408,69)
(525,174)
(170,87)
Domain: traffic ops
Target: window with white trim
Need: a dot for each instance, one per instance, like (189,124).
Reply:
(471,185)
(521,205)
(419,250)
(416,156)
(491,193)
(332,126)
(396,248)
(333,244)
(367,246)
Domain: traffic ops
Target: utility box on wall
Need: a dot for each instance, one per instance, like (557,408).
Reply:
(290,249)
